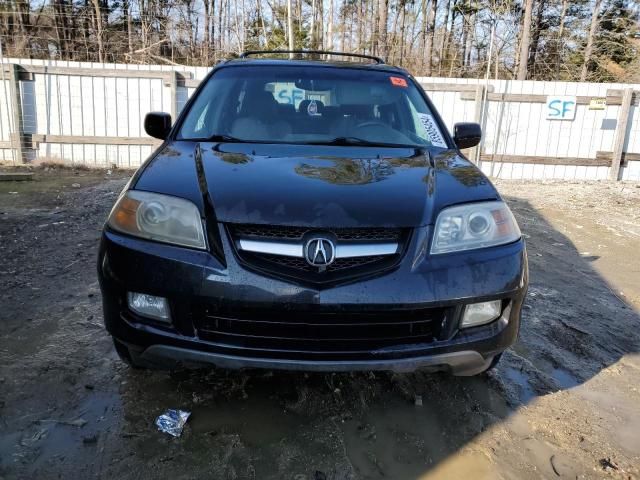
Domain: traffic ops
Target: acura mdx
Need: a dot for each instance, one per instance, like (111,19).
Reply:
(310,213)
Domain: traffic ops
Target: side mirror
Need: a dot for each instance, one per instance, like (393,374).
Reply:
(467,135)
(157,124)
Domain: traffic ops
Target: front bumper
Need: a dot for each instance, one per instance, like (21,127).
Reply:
(190,278)
(463,363)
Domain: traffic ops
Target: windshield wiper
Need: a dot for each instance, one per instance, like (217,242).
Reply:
(346,141)
(225,138)
(359,141)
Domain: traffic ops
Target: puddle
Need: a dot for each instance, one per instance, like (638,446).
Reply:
(400,440)
(51,439)
(525,352)
(403,444)
(258,421)
(525,390)
(463,465)
(564,378)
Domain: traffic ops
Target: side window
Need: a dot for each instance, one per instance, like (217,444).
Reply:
(198,121)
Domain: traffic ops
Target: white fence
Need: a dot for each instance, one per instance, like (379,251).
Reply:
(88,113)
(516,128)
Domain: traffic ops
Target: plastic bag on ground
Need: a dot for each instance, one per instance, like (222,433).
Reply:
(172,421)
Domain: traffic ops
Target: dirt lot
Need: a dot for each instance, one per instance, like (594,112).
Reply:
(564,402)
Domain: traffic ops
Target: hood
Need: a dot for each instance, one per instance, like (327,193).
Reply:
(319,186)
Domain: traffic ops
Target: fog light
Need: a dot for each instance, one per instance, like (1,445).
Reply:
(149,306)
(480,313)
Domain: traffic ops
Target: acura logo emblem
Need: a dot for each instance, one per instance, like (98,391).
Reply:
(320,252)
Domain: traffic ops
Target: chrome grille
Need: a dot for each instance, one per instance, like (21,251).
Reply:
(377,234)
(279,251)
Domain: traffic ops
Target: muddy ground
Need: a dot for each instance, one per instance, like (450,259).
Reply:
(564,402)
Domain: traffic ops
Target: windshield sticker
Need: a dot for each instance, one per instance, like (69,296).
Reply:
(432,130)
(398,82)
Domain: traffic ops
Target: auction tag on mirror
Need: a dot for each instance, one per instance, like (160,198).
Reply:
(432,130)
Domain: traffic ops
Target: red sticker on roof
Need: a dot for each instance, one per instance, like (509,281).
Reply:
(398,81)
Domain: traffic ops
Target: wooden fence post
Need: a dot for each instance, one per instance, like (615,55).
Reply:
(477,117)
(621,134)
(173,84)
(17,136)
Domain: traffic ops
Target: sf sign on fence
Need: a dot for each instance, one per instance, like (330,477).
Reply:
(561,108)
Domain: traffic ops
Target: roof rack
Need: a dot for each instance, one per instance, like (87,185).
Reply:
(250,53)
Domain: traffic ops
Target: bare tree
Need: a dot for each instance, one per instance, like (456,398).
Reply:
(429,32)
(329,45)
(563,18)
(208,15)
(471,31)
(535,38)
(588,51)
(525,40)
(320,31)
(312,25)
(450,37)
(290,32)
(383,11)
(126,11)
(444,46)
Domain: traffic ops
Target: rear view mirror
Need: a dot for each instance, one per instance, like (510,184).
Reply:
(157,124)
(313,85)
(467,135)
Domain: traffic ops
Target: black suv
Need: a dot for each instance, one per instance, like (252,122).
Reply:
(311,214)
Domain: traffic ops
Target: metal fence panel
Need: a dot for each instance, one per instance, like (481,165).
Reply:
(92,114)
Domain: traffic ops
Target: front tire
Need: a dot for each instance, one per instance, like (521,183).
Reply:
(478,369)
(493,364)
(125,355)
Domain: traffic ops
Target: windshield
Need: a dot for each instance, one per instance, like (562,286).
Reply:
(316,105)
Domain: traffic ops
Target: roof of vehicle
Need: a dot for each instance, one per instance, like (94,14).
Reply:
(371,64)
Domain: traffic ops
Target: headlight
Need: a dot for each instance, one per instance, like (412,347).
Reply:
(475,225)
(158,217)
